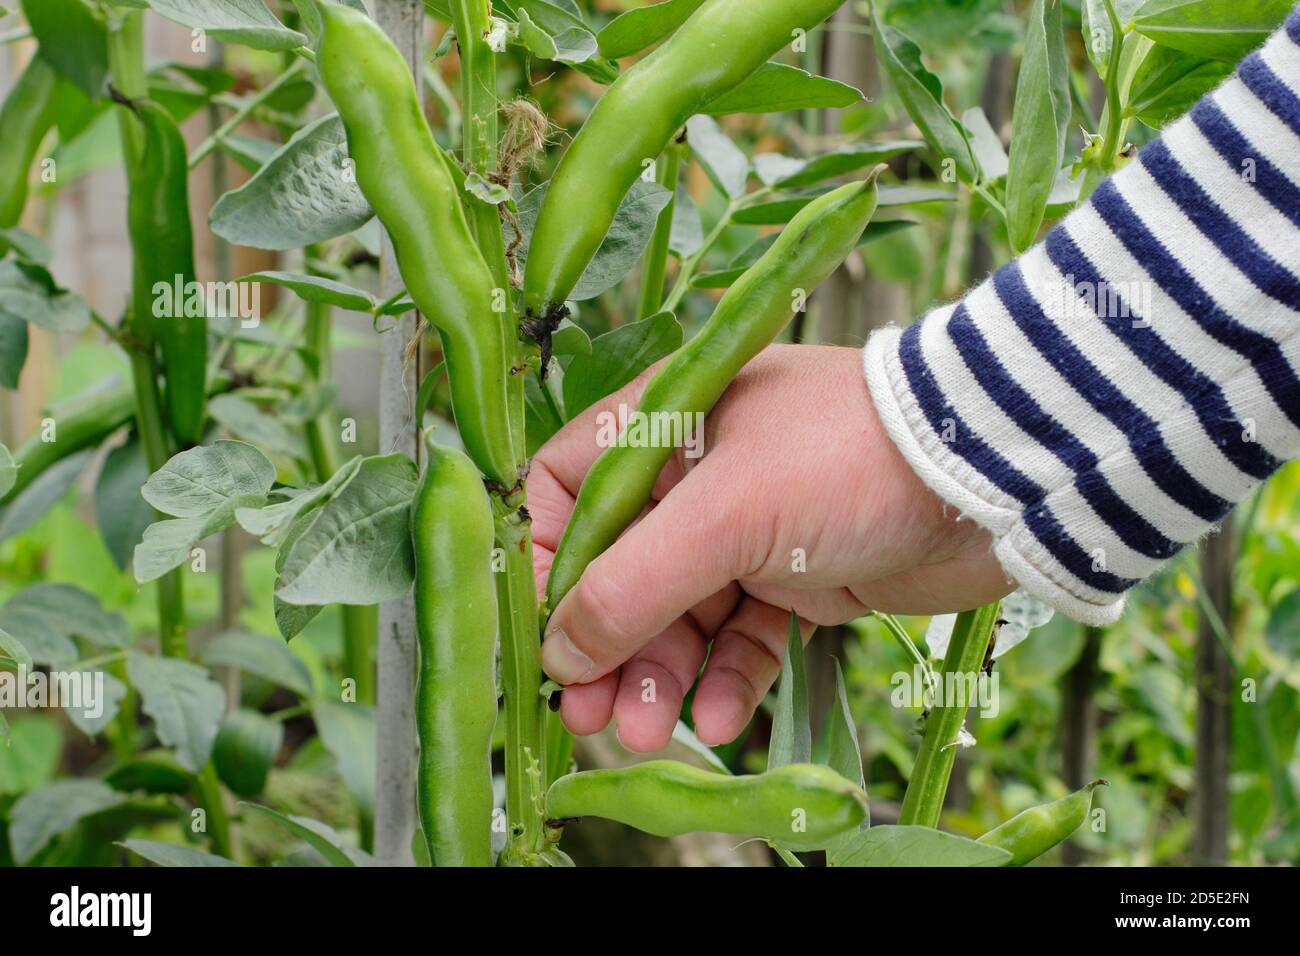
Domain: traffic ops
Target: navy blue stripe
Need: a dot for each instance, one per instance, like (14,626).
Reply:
(1271,91)
(939,413)
(1142,432)
(1201,393)
(1269,182)
(1293,26)
(1264,354)
(1044,526)
(1129,526)
(1216,225)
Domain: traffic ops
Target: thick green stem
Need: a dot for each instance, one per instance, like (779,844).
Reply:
(521,675)
(1114,109)
(218,822)
(656,259)
(967,648)
(359,625)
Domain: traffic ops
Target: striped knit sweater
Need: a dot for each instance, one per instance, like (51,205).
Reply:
(1109,396)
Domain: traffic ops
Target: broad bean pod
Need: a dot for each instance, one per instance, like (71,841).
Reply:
(800,806)
(720,45)
(162,245)
(29,111)
(1031,833)
(456,626)
(402,173)
(752,313)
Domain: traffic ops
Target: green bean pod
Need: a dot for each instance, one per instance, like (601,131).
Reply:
(721,44)
(401,172)
(29,111)
(752,313)
(456,625)
(82,424)
(1031,833)
(801,806)
(166,305)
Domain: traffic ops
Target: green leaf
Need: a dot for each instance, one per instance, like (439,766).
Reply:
(27,246)
(791,731)
(921,94)
(30,757)
(315,834)
(73,40)
(1168,83)
(272,524)
(13,349)
(245,750)
(250,152)
(154,771)
(1217,29)
(120,510)
(491,193)
(43,493)
(986,145)
(917,846)
(570,35)
(306,193)
(290,619)
(174,854)
(1042,110)
(29,292)
(358,548)
(111,694)
(571,45)
(686,737)
(246,22)
(195,483)
(640,27)
(841,161)
(348,733)
(844,756)
(616,358)
(1043,661)
(167,545)
(1282,632)
(65,610)
(317,289)
(570,339)
(776,88)
(623,245)
(13,649)
(246,420)
(687,231)
(8,471)
(184,702)
(260,655)
(722,159)
(40,815)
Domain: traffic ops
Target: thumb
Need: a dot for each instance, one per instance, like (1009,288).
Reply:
(683,550)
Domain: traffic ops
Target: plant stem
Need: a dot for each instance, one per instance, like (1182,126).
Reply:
(521,675)
(1114,109)
(294,70)
(359,625)
(692,262)
(656,260)
(126,61)
(967,648)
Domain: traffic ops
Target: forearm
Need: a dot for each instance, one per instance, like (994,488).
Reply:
(1108,397)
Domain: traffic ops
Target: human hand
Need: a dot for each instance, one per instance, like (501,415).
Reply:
(800,502)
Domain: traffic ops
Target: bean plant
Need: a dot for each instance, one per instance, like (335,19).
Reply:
(417,173)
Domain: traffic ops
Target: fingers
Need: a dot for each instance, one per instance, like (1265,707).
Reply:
(644,696)
(743,665)
(682,551)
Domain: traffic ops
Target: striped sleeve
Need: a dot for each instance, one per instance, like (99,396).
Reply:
(1108,397)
